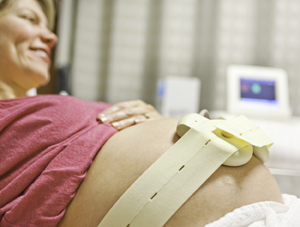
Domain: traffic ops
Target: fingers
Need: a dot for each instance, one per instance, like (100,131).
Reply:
(125,114)
(123,105)
(119,125)
(125,110)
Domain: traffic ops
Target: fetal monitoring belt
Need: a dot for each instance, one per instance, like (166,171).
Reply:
(167,184)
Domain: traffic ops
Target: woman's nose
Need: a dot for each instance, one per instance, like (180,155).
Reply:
(49,38)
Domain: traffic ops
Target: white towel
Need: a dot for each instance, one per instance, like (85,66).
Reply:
(263,214)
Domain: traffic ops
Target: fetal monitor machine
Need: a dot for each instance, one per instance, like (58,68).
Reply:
(258,91)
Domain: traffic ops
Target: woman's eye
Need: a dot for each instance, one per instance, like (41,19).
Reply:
(29,18)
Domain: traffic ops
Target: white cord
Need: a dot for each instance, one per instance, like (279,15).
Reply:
(205,113)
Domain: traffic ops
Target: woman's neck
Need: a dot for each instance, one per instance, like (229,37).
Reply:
(10,90)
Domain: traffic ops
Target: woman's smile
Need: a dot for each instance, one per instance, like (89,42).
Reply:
(44,54)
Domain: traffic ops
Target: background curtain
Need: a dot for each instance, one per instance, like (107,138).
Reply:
(119,49)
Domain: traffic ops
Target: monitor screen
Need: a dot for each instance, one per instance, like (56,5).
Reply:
(258,91)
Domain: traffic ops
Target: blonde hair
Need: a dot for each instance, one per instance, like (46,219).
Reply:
(46,5)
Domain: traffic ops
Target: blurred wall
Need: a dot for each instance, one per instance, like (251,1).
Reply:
(120,48)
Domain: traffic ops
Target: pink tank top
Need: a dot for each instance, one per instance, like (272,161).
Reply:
(47,143)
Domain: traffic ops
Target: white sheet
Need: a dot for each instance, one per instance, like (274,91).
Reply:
(263,214)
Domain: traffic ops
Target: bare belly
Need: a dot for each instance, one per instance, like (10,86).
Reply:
(130,152)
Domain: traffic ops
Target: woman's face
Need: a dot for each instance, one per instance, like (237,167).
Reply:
(25,45)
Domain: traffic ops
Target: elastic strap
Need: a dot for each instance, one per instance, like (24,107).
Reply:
(168,183)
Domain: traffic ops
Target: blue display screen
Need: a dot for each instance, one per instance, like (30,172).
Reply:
(255,90)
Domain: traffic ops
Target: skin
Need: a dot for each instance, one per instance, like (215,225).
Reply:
(130,152)
(25,45)
(125,114)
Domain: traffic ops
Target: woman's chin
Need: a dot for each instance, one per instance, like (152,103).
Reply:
(38,81)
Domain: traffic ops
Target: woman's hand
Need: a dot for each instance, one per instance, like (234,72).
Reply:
(125,114)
